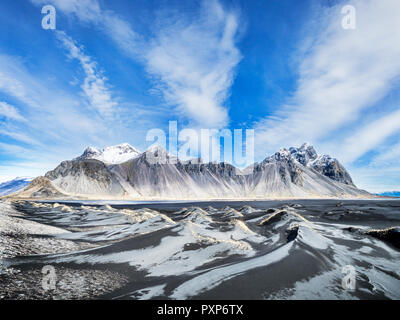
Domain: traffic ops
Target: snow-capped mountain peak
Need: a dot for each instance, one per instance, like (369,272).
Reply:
(111,155)
(23,178)
(305,154)
(91,153)
(308,157)
(154,173)
(282,154)
(121,148)
(157,154)
(7,187)
(156,148)
(321,159)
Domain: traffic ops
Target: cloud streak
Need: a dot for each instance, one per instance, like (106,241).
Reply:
(370,135)
(191,57)
(10,112)
(195,63)
(343,73)
(94,86)
(55,121)
(90,12)
(192,60)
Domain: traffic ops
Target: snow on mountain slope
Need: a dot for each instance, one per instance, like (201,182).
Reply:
(294,172)
(154,173)
(305,154)
(280,175)
(85,177)
(14,185)
(283,175)
(110,155)
(323,164)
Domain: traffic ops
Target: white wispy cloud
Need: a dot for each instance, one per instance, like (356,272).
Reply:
(46,106)
(10,112)
(14,149)
(342,74)
(17,133)
(369,136)
(59,124)
(94,85)
(192,60)
(90,11)
(24,168)
(56,123)
(195,61)
(388,156)
(10,70)
(85,10)
(373,180)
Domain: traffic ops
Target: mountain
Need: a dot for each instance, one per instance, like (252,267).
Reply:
(14,185)
(390,194)
(40,187)
(110,155)
(90,177)
(324,164)
(291,174)
(170,177)
(294,172)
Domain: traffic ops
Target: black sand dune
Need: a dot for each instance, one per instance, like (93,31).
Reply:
(208,250)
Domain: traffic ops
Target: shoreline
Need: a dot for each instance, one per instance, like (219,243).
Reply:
(160,201)
(177,199)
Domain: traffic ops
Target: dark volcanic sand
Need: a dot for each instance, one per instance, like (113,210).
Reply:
(206,250)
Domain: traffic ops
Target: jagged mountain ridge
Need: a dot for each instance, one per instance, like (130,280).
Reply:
(110,155)
(85,177)
(171,177)
(294,172)
(324,164)
(395,194)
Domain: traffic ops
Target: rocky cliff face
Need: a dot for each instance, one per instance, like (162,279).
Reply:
(289,173)
(294,172)
(331,168)
(286,173)
(85,177)
(324,164)
(305,154)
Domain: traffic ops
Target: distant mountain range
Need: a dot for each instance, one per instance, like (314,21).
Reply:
(14,185)
(123,172)
(390,194)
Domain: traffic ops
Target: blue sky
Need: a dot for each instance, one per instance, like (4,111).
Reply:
(112,70)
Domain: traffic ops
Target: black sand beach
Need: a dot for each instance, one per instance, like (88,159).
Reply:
(296,249)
